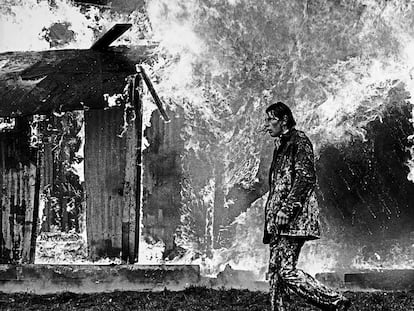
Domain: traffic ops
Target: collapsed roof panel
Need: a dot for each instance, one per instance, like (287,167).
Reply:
(61,80)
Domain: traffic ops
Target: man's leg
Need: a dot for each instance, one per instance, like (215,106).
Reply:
(278,295)
(278,290)
(300,282)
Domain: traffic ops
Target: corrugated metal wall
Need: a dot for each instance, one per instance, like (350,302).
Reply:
(17,199)
(162,177)
(106,178)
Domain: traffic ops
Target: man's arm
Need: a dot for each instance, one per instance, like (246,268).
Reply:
(304,178)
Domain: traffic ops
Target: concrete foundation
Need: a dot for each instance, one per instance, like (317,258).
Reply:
(237,279)
(331,279)
(398,279)
(48,279)
(388,280)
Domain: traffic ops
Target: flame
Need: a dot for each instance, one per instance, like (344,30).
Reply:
(333,101)
(398,255)
(79,167)
(24,24)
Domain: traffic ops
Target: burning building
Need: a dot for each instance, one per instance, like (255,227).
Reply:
(346,70)
(52,82)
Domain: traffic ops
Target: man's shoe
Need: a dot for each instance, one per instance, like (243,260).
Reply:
(343,304)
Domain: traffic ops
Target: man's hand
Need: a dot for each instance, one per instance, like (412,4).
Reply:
(281,219)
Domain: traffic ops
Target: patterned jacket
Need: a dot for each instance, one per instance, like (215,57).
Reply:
(292,181)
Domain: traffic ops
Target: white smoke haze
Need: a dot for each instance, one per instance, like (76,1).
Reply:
(223,62)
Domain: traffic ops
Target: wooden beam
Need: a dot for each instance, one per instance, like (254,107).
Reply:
(130,196)
(110,36)
(154,94)
(137,102)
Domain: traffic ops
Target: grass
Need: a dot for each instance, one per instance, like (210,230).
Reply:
(194,298)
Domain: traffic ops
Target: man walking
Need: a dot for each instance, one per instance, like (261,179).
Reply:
(291,215)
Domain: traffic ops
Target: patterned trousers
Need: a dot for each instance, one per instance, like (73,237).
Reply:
(286,278)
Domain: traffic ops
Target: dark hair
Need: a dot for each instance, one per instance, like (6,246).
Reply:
(280,110)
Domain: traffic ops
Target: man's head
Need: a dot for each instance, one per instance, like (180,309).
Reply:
(279,118)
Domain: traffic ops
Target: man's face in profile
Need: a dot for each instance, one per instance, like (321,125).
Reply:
(273,125)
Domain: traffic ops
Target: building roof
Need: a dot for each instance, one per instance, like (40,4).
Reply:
(62,80)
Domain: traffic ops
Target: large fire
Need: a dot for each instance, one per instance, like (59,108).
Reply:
(340,73)
(340,65)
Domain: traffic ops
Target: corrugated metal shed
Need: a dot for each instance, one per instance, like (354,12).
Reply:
(63,80)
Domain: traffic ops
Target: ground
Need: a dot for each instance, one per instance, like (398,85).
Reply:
(195,298)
